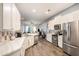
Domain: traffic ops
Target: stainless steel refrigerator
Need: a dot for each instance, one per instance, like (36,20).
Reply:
(71,38)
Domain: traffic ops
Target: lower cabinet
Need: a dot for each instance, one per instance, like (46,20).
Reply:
(60,41)
(28,42)
(49,37)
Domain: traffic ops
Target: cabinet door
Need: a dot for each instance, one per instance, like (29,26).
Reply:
(11,17)
(15,18)
(49,38)
(27,42)
(7,16)
(32,40)
(60,41)
(1,15)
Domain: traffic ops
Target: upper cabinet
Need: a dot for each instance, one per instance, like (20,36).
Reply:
(7,16)
(11,17)
(16,18)
(1,15)
(68,15)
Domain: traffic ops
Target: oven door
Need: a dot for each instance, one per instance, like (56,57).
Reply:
(55,40)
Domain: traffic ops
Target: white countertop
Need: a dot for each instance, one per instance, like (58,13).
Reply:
(51,33)
(32,34)
(11,46)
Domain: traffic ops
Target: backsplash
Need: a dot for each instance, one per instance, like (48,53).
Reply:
(7,36)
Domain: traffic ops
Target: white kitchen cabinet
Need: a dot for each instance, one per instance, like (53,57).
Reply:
(1,15)
(60,41)
(31,41)
(11,17)
(7,16)
(16,18)
(49,37)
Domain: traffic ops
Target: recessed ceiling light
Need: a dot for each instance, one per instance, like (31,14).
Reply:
(48,11)
(34,10)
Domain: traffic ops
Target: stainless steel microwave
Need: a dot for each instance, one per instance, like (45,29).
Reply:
(57,27)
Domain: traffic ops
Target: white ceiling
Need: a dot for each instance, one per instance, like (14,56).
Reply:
(36,13)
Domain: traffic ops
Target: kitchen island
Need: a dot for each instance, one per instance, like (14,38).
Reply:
(9,47)
(16,47)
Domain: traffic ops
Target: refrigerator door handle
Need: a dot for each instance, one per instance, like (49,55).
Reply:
(70,45)
(69,32)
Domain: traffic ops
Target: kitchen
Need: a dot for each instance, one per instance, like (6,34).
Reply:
(19,24)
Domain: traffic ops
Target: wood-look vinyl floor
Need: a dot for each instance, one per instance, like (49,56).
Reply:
(44,48)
